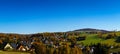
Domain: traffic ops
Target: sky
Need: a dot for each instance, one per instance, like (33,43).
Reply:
(35,16)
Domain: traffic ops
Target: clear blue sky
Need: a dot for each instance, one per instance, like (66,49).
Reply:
(33,16)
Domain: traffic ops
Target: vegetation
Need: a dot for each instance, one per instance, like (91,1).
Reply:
(64,42)
(7,52)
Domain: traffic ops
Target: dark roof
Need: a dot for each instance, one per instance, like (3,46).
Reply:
(4,44)
(14,45)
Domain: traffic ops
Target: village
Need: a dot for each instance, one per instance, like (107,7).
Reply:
(39,43)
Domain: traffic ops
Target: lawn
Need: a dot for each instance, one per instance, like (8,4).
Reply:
(94,39)
(6,52)
(91,39)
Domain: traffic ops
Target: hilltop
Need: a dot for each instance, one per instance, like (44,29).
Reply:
(90,30)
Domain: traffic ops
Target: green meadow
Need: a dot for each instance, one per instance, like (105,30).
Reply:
(94,39)
(7,52)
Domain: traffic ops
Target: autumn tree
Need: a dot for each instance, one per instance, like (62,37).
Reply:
(100,34)
(76,50)
(50,50)
(40,48)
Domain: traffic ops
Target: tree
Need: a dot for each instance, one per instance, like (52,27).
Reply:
(99,34)
(50,50)
(76,50)
(1,44)
(118,39)
(39,48)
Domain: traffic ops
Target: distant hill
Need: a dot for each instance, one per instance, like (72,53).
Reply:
(89,30)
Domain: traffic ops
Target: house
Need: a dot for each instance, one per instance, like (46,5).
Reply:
(8,47)
(22,48)
(14,45)
(27,48)
(32,49)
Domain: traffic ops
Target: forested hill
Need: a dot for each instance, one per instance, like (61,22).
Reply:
(89,30)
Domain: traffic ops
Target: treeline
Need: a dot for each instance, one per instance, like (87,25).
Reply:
(108,35)
(13,37)
(41,48)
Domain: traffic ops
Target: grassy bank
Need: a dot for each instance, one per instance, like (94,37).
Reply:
(6,52)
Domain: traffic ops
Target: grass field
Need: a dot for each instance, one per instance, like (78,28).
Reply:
(6,52)
(91,39)
(94,39)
